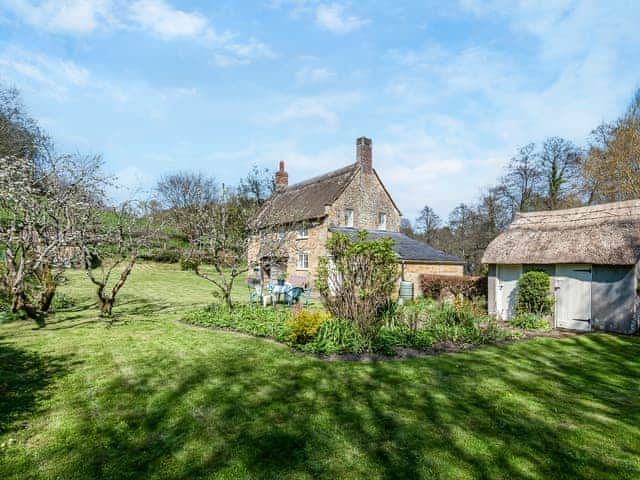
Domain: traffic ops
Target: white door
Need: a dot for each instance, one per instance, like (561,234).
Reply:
(508,276)
(573,297)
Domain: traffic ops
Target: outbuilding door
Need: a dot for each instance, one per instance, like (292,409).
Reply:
(573,297)
(508,276)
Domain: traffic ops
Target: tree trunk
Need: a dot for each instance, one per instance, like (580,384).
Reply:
(50,286)
(106,306)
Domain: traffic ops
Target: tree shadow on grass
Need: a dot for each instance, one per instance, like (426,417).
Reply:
(514,412)
(24,378)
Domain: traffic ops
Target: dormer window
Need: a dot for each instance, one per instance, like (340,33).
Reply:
(348,217)
(303,231)
(382,221)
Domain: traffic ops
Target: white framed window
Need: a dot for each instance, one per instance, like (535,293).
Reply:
(382,221)
(303,231)
(348,217)
(303,261)
(282,233)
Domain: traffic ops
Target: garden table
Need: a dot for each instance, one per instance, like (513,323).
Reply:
(278,290)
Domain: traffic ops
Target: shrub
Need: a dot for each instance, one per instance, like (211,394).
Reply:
(338,336)
(530,321)
(258,321)
(533,294)
(305,324)
(188,263)
(437,286)
(62,301)
(165,255)
(359,280)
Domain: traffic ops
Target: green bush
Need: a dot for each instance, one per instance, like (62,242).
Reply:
(530,321)
(338,336)
(62,301)
(258,321)
(305,324)
(163,255)
(533,294)
(188,263)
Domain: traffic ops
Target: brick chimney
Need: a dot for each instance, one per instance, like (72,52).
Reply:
(363,154)
(282,177)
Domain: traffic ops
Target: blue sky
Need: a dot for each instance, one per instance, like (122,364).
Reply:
(447,90)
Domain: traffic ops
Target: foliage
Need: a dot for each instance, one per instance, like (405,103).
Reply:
(256,320)
(188,263)
(63,301)
(304,325)
(533,293)
(437,286)
(338,336)
(164,255)
(358,280)
(282,277)
(530,321)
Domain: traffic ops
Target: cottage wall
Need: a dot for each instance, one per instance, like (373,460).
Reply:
(366,196)
(314,245)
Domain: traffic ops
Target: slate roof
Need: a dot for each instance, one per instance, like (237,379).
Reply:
(607,234)
(305,200)
(407,248)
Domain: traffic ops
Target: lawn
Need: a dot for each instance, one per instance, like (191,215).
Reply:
(151,398)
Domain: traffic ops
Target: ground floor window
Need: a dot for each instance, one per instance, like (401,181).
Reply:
(303,261)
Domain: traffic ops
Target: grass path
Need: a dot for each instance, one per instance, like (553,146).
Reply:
(148,398)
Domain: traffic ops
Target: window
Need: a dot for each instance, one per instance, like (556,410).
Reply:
(382,221)
(303,261)
(281,234)
(303,231)
(348,217)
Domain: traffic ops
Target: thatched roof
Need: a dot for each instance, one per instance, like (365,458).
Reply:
(606,234)
(305,200)
(407,248)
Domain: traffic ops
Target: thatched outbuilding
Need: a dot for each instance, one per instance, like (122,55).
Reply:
(591,254)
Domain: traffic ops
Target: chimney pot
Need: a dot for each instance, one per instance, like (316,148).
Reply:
(364,154)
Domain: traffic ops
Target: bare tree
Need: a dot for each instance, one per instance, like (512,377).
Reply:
(522,179)
(41,206)
(110,244)
(257,186)
(184,195)
(428,223)
(559,171)
(222,242)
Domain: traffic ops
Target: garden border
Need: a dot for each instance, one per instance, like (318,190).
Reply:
(402,353)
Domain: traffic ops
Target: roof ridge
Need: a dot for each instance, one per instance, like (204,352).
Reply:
(624,204)
(318,178)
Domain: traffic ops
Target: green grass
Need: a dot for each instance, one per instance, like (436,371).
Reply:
(150,398)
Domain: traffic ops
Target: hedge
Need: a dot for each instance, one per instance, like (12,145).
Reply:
(436,286)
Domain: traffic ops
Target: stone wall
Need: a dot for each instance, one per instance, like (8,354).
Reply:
(367,198)
(412,272)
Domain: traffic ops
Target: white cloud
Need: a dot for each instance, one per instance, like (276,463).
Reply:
(156,17)
(162,19)
(336,18)
(322,110)
(75,16)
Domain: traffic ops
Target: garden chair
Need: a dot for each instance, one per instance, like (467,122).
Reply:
(307,296)
(293,295)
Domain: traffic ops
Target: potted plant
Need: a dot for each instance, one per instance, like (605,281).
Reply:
(281,278)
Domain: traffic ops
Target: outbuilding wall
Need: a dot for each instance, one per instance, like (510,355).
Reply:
(613,295)
(613,292)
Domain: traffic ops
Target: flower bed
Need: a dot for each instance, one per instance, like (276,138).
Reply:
(423,325)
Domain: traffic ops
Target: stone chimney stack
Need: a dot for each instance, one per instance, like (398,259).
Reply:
(282,177)
(363,154)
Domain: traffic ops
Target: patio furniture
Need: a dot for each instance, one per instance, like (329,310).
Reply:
(255,292)
(307,296)
(293,295)
(278,290)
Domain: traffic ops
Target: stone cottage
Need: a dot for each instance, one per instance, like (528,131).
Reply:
(295,223)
